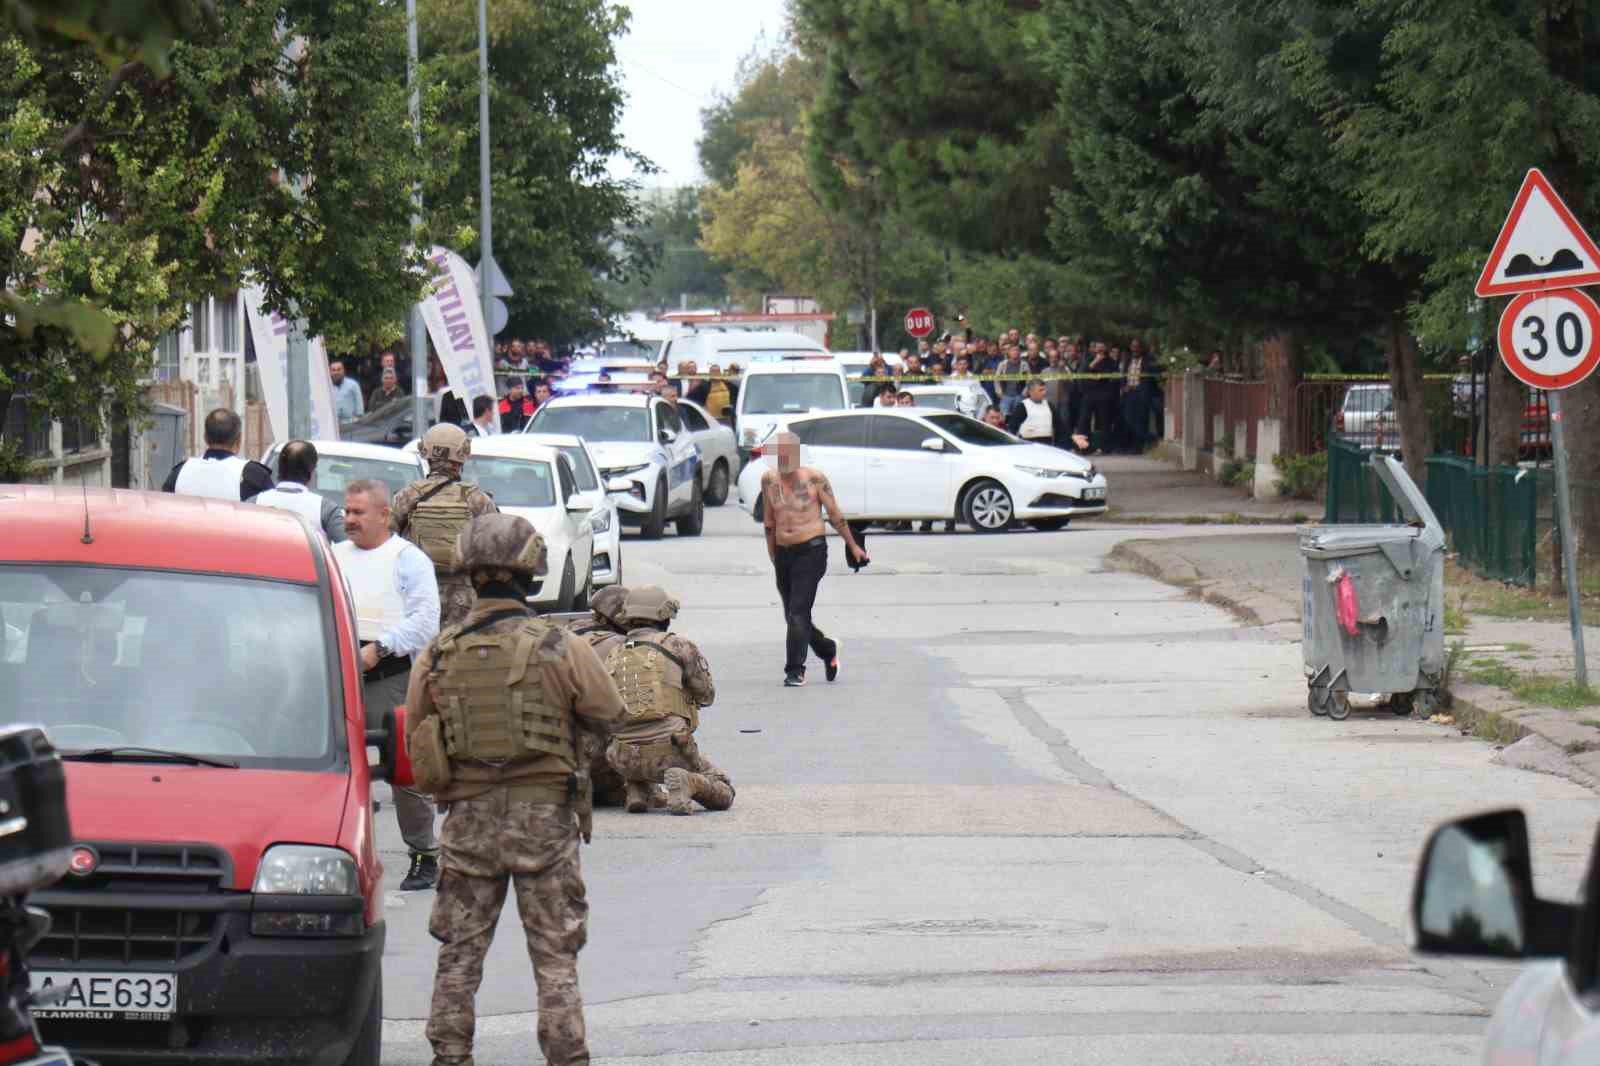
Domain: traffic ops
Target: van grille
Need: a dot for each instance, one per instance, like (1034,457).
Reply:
(144,903)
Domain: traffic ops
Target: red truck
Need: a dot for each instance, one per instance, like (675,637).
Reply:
(195,662)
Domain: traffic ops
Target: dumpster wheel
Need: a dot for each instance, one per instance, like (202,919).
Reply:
(1317,700)
(1338,705)
(1402,703)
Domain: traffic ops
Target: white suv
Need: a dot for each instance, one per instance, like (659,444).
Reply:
(640,442)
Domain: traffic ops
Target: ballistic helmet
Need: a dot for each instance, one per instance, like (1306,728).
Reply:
(649,603)
(607,605)
(446,443)
(500,542)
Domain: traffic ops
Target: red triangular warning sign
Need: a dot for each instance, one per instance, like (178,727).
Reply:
(1540,247)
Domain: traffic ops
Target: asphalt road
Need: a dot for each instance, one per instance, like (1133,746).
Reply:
(1050,812)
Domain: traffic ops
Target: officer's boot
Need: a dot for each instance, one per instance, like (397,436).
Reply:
(713,789)
(638,800)
(680,795)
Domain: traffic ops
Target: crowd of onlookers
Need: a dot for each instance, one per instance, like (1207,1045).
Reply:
(1088,395)
(1038,386)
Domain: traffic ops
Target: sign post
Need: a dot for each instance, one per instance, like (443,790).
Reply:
(1549,334)
(919,322)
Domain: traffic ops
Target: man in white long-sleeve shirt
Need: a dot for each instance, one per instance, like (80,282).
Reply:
(397,616)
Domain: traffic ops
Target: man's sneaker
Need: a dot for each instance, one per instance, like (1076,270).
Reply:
(833,666)
(424,873)
(794,680)
(679,798)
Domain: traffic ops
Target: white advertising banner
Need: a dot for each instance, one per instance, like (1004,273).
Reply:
(454,315)
(270,333)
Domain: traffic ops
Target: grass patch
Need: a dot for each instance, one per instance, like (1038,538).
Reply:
(1593,723)
(1455,620)
(1476,595)
(1542,690)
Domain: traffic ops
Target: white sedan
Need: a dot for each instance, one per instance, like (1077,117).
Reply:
(339,462)
(719,450)
(604,520)
(898,464)
(537,481)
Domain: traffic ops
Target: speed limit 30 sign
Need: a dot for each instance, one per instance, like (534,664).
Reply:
(1551,340)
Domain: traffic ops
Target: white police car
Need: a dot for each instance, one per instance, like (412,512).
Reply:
(640,440)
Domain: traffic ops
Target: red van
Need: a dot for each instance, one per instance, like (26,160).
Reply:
(195,662)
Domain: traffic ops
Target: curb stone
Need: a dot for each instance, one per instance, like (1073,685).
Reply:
(1480,710)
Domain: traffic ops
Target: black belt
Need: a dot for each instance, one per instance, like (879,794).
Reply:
(814,542)
(388,666)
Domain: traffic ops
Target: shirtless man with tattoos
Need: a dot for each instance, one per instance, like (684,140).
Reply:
(793,499)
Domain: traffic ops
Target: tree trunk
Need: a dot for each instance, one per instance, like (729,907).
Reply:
(1281,371)
(1405,383)
(1508,399)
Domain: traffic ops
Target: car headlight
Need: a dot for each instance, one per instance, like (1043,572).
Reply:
(1039,471)
(600,522)
(623,471)
(304,870)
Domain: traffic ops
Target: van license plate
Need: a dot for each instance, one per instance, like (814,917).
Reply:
(1094,494)
(133,997)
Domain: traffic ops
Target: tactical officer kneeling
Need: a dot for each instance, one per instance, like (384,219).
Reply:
(664,681)
(603,629)
(498,703)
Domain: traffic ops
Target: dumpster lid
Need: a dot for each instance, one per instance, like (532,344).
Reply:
(1407,496)
(1333,541)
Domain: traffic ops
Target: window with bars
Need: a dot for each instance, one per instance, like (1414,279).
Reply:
(168,366)
(33,433)
(228,339)
(200,324)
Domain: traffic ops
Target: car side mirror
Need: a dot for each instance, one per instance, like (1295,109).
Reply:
(394,758)
(933,444)
(619,484)
(579,503)
(668,436)
(1474,893)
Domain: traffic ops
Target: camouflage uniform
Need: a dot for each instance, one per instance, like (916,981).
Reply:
(664,751)
(512,822)
(600,630)
(455,591)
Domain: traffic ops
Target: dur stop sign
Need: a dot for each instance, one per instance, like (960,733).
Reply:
(919,322)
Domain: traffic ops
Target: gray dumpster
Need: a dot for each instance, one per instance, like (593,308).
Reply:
(1391,639)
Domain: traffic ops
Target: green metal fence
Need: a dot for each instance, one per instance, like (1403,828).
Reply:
(1355,494)
(1491,515)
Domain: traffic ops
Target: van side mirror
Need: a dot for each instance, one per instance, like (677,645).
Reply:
(394,759)
(668,436)
(1474,893)
(933,444)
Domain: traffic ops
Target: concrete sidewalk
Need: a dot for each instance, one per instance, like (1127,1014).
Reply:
(1257,577)
(1146,489)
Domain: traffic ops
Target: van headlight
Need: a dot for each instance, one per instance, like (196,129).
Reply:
(305,870)
(600,521)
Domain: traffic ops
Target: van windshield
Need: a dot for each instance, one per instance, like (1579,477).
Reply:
(778,394)
(221,667)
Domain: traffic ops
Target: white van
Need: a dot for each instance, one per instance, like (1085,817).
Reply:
(723,346)
(780,388)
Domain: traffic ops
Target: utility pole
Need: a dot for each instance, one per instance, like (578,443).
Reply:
(417,337)
(298,383)
(485,224)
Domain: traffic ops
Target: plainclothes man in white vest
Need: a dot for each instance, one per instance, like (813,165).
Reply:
(297,471)
(221,473)
(397,616)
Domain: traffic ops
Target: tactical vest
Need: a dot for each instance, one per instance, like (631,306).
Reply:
(436,520)
(651,689)
(491,697)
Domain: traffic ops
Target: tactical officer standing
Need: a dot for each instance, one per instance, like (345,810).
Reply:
(431,513)
(499,701)
(664,680)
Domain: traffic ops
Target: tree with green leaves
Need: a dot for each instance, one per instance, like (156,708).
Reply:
(566,233)
(275,148)
(669,230)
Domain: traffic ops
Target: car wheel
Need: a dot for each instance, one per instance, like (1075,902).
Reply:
(568,581)
(988,508)
(368,1048)
(694,520)
(758,511)
(656,524)
(717,487)
(1048,525)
